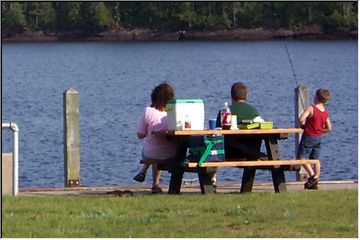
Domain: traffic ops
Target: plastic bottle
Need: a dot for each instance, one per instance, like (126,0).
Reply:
(226,117)
(187,124)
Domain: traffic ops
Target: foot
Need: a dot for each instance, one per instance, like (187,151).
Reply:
(213,181)
(156,189)
(315,186)
(140,177)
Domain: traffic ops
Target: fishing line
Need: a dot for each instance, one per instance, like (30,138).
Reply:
(292,68)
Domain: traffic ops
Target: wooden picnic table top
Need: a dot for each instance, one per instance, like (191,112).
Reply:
(228,132)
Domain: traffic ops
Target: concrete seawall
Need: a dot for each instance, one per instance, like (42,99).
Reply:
(191,188)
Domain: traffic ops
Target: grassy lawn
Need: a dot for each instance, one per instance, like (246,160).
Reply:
(328,214)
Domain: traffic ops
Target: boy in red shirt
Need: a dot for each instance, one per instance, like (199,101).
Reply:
(315,121)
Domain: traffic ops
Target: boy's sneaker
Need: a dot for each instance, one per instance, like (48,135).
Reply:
(213,181)
(312,183)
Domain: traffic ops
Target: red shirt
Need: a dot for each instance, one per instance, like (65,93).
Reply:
(314,126)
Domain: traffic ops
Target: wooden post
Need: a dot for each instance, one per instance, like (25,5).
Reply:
(301,103)
(6,174)
(71,138)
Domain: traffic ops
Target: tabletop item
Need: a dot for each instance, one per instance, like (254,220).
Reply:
(185,114)
(263,125)
(212,124)
(225,115)
(234,124)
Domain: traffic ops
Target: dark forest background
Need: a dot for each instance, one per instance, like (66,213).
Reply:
(95,17)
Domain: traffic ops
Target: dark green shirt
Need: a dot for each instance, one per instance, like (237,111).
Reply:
(244,111)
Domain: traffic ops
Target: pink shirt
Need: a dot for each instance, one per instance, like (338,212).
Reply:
(155,146)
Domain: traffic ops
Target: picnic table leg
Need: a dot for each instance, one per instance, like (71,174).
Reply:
(175,181)
(278,178)
(205,180)
(177,171)
(247,179)
(277,173)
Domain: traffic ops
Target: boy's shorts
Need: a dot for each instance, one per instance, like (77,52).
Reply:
(309,147)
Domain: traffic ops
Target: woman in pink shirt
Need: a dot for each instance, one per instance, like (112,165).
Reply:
(154,118)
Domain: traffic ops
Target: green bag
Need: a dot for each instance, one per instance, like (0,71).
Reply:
(209,148)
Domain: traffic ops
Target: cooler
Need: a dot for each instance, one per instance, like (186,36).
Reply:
(185,114)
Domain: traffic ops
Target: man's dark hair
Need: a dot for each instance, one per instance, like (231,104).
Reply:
(239,91)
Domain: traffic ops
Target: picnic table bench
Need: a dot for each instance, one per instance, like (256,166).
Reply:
(234,138)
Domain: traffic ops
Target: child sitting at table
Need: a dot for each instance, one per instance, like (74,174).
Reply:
(154,118)
(315,121)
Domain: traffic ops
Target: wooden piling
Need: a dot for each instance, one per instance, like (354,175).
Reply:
(301,103)
(71,138)
(7,174)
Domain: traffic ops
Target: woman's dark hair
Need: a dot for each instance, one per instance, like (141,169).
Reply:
(161,95)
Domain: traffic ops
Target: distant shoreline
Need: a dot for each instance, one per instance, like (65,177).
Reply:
(134,35)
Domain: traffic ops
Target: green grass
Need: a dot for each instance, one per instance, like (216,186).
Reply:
(328,214)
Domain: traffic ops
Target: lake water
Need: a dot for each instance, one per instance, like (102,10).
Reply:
(115,81)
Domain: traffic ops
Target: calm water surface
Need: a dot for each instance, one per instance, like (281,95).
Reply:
(115,81)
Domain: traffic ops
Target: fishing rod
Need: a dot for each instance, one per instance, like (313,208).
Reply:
(292,68)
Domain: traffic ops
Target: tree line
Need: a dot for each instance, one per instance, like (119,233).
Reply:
(93,17)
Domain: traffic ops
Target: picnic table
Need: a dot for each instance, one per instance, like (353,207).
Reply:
(234,138)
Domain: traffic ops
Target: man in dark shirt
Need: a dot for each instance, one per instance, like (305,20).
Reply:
(245,146)
(239,107)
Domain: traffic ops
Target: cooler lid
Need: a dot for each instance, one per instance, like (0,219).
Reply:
(179,100)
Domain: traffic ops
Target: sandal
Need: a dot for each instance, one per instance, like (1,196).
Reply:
(312,183)
(156,190)
(140,177)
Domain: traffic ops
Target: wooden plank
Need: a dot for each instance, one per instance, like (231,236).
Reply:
(155,161)
(254,163)
(228,132)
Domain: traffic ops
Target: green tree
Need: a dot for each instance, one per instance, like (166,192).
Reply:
(92,17)
(105,17)
(75,18)
(188,14)
(41,15)
(250,15)
(47,16)
(12,17)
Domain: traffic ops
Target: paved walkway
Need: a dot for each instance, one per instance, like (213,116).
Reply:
(186,188)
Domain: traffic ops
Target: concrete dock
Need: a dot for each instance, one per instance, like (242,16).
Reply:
(187,188)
